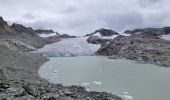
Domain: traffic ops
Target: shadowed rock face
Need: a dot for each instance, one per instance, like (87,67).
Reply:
(22,29)
(2,23)
(44,31)
(104,32)
(66,36)
(138,47)
(4,28)
(101,36)
(97,40)
(150,31)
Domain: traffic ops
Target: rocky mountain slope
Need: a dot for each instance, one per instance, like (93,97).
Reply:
(143,45)
(103,32)
(150,31)
(101,36)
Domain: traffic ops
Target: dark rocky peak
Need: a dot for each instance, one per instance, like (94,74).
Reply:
(2,23)
(104,32)
(4,28)
(67,36)
(22,29)
(167,30)
(97,40)
(41,31)
(150,31)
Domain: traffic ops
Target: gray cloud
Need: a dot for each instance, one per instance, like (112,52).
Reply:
(150,3)
(78,17)
(29,16)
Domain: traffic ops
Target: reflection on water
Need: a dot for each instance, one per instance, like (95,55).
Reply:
(121,77)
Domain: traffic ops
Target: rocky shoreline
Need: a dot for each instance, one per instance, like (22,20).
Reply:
(19,80)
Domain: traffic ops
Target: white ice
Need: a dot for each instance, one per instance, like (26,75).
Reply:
(70,47)
(165,37)
(126,96)
(86,83)
(47,35)
(97,83)
(125,34)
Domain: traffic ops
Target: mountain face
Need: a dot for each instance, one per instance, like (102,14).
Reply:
(20,35)
(41,31)
(101,36)
(4,28)
(67,36)
(103,32)
(140,48)
(97,40)
(150,31)
(22,29)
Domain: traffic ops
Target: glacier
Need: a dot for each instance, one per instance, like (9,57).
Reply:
(70,47)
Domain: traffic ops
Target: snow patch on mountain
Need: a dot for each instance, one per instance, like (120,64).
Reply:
(125,34)
(47,35)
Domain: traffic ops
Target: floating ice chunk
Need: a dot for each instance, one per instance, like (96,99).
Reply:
(87,89)
(125,93)
(56,71)
(86,83)
(126,96)
(97,83)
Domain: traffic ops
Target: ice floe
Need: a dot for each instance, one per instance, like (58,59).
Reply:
(97,83)
(126,96)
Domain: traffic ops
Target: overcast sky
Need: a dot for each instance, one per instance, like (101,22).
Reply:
(77,17)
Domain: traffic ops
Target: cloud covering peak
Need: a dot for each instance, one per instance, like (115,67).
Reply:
(79,17)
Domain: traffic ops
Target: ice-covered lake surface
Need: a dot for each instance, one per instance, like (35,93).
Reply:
(122,77)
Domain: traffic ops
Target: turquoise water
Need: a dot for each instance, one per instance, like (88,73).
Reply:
(142,81)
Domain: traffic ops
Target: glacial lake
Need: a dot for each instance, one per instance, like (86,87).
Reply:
(142,81)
